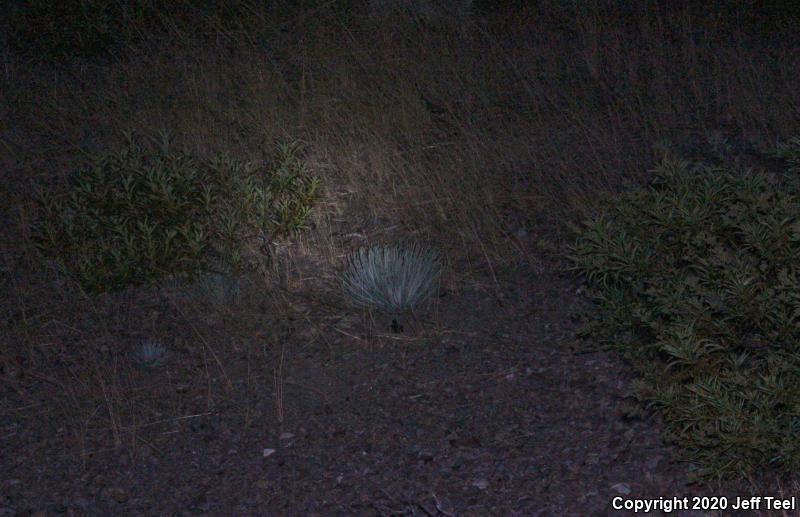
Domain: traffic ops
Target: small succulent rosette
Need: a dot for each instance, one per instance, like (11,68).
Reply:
(392,279)
(150,354)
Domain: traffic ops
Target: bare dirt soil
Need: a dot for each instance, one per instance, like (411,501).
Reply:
(485,406)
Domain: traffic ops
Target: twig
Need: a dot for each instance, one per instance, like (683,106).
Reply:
(346,333)
(277,377)
(439,506)
(185,417)
(153,447)
(475,376)
(422,507)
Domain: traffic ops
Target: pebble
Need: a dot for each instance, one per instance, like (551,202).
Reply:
(117,494)
(480,484)
(622,488)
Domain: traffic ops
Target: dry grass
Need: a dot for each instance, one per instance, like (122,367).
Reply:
(464,136)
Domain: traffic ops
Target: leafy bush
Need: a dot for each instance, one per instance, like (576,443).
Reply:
(790,152)
(393,279)
(697,282)
(150,211)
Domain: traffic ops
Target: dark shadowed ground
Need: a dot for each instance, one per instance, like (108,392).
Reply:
(479,138)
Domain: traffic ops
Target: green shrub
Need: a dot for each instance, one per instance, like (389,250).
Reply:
(151,211)
(697,283)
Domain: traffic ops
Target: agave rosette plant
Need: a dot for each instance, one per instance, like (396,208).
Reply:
(393,279)
(150,354)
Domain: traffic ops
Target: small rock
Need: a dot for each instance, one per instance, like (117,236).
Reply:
(118,494)
(480,484)
(267,452)
(622,488)
(426,456)
(286,436)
